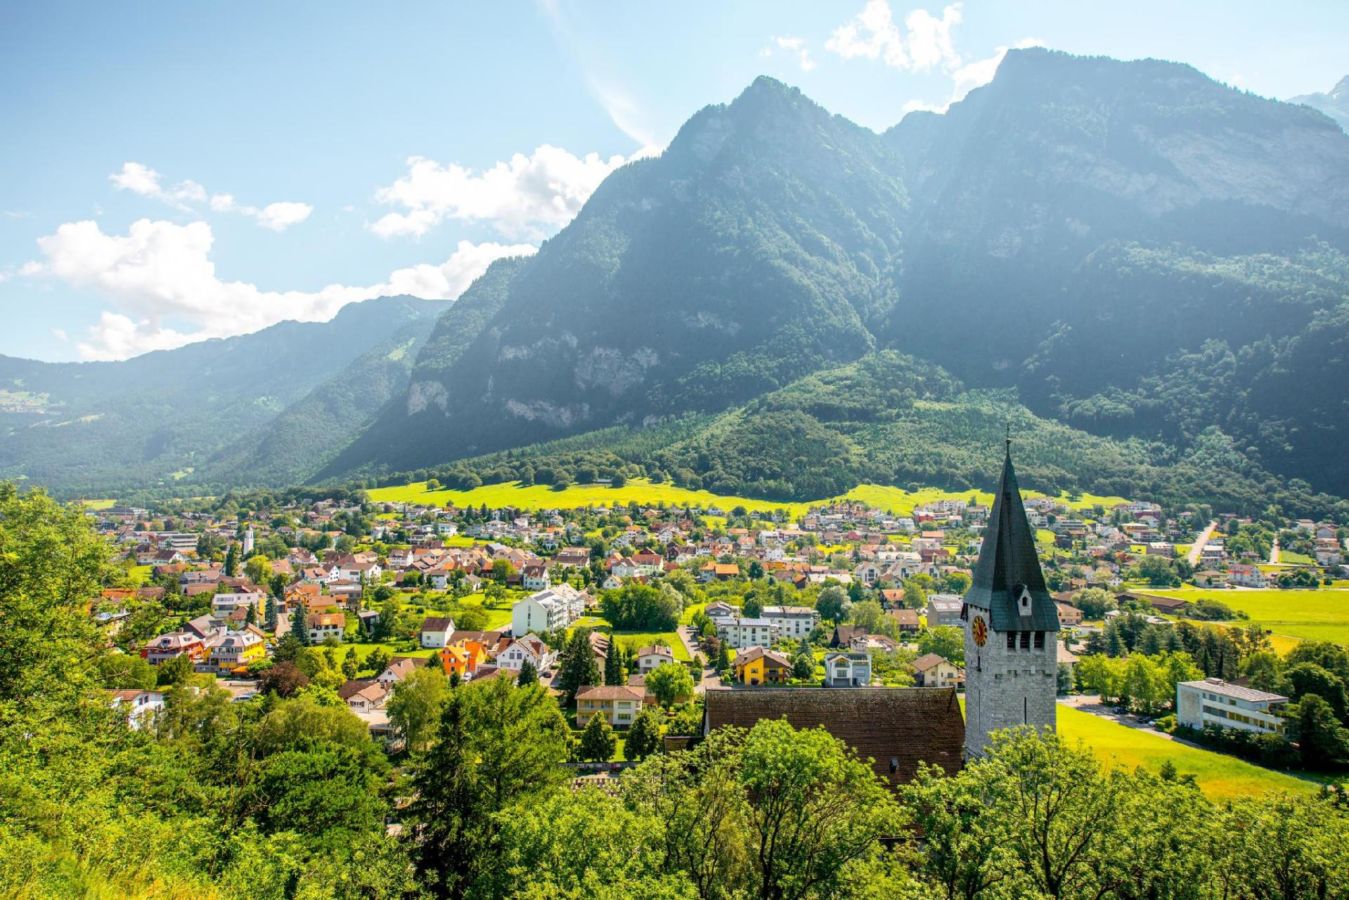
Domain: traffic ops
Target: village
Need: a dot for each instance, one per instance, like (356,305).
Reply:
(632,612)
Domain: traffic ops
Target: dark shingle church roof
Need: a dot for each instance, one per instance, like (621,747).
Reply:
(897,728)
(1008,561)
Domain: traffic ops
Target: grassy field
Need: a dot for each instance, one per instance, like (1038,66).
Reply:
(1219,776)
(892,499)
(636,639)
(1319,615)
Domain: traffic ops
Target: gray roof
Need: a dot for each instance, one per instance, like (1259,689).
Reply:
(1235,691)
(1008,562)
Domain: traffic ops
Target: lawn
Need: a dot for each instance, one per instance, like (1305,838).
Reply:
(690,611)
(139,575)
(1219,776)
(635,639)
(891,499)
(1310,615)
(365,649)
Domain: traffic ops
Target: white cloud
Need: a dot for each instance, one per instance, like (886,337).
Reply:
(161,272)
(280,216)
(874,34)
(524,197)
(797,47)
(187,195)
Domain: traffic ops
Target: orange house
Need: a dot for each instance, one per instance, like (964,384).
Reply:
(463,657)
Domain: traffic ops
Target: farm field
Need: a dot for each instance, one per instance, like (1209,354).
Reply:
(1219,776)
(1312,615)
(891,499)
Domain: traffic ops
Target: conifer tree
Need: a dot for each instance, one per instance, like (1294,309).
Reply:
(613,665)
(297,627)
(528,674)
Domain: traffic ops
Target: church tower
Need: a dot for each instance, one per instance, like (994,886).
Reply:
(1011,626)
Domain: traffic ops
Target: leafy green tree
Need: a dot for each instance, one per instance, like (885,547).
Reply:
(528,674)
(832,604)
(176,670)
(597,740)
(947,641)
(643,607)
(416,705)
(258,569)
(669,683)
(813,808)
(1301,679)
(125,671)
(350,666)
(498,745)
(52,562)
(377,660)
(585,843)
(644,736)
(803,663)
(753,607)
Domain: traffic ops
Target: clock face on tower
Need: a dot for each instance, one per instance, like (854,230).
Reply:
(979,631)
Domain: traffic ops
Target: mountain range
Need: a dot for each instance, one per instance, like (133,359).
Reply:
(1140,266)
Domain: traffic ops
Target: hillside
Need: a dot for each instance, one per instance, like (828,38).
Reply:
(1135,250)
(1335,103)
(92,427)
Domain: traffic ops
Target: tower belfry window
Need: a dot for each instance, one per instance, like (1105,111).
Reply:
(1039,640)
(1025,640)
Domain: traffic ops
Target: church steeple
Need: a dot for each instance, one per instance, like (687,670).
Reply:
(1011,646)
(1008,571)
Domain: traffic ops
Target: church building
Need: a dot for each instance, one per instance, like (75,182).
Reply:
(1011,627)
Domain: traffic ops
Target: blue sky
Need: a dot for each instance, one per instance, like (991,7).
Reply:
(178,171)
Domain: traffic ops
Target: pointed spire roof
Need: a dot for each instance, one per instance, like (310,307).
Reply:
(1009,565)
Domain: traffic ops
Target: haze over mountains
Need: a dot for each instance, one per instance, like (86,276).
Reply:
(1152,263)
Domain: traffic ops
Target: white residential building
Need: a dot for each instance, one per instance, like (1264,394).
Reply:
(740,633)
(436,631)
(649,658)
(791,621)
(224,604)
(548,610)
(1215,702)
(847,669)
(530,647)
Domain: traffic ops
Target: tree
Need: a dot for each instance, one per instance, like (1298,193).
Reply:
(613,666)
(1306,678)
(577,667)
(803,663)
(669,683)
(51,563)
(258,569)
(125,671)
(644,735)
(1322,740)
(755,570)
(947,641)
(283,679)
(1094,602)
(498,745)
(597,740)
(298,630)
(642,607)
(350,666)
(377,660)
(723,658)
(753,607)
(232,560)
(416,705)
(269,615)
(832,604)
(813,808)
(528,674)
(176,670)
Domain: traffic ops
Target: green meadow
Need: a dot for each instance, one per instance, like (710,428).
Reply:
(1308,615)
(1218,775)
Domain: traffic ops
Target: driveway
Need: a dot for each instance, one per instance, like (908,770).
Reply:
(1198,547)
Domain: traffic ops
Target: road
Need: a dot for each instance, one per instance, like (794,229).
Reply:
(1198,547)
(709,678)
(1274,553)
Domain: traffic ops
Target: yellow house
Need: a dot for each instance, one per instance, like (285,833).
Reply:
(755,665)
